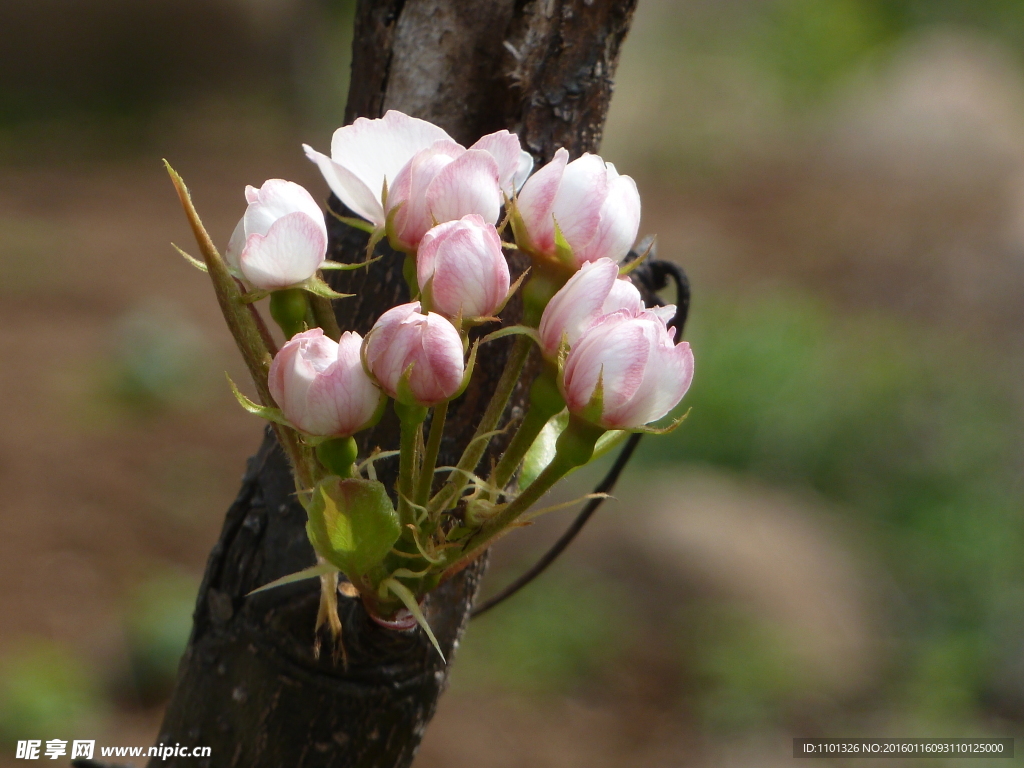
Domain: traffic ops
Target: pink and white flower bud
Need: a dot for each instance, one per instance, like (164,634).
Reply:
(281,240)
(643,373)
(596,209)
(462,265)
(409,155)
(320,384)
(442,183)
(595,290)
(368,152)
(404,337)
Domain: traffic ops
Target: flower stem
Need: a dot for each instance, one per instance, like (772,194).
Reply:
(426,479)
(288,307)
(575,447)
(475,450)
(411,418)
(323,315)
(545,402)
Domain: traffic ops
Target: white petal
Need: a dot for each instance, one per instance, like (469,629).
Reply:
(523,169)
(277,198)
(235,245)
(348,188)
(576,305)
(372,150)
(289,254)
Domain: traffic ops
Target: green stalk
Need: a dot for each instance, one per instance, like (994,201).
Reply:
(243,327)
(426,478)
(575,447)
(545,402)
(475,450)
(289,308)
(323,315)
(411,418)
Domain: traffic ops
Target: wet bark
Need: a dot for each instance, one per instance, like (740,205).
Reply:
(250,686)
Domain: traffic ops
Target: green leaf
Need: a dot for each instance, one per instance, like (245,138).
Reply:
(320,569)
(352,523)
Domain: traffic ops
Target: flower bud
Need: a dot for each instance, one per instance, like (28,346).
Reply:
(595,290)
(281,240)
(321,387)
(643,375)
(413,158)
(461,267)
(415,358)
(596,210)
(442,183)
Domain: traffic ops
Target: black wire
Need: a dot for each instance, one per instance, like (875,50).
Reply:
(654,275)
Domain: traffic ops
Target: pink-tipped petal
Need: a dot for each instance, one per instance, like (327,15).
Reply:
(577,305)
(412,218)
(612,350)
(619,221)
(505,149)
(469,271)
(289,254)
(469,184)
(580,197)
(277,198)
(536,200)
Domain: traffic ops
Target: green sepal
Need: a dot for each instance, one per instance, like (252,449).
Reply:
(625,269)
(408,599)
(352,524)
(594,409)
(192,260)
(541,453)
(360,224)
(264,412)
(320,569)
(519,230)
(251,297)
(649,430)
(562,248)
(342,267)
(318,287)
(468,373)
(513,330)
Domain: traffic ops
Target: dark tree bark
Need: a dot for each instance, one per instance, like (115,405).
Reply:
(249,684)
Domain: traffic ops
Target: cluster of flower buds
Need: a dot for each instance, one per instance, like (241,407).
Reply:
(610,364)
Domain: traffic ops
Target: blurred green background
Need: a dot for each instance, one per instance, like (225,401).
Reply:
(833,542)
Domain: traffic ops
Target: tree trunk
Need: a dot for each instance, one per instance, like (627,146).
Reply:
(250,686)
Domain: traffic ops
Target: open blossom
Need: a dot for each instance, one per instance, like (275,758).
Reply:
(429,176)
(320,384)
(595,290)
(404,337)
(281,240)
(643,373)
(596,209)
(462,266)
